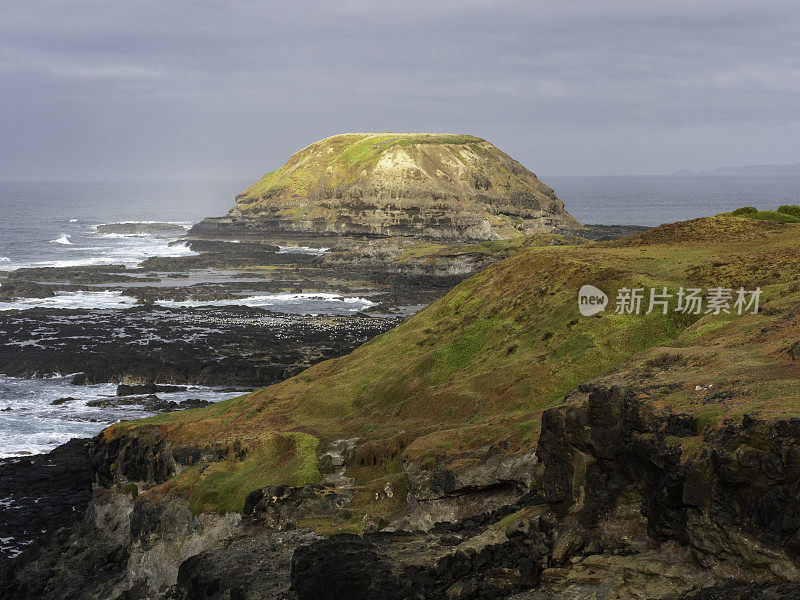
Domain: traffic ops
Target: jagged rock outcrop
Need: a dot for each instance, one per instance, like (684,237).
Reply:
(488,479)
(735,504)
(280,507)
(607,506)
(122,549)
(437,187)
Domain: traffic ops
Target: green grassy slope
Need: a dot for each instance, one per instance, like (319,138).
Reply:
(482,363)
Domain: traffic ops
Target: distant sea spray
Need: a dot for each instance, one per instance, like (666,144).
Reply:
(64,239)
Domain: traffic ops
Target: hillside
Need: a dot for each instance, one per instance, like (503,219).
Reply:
(439,187)
(484,361)
(498,442)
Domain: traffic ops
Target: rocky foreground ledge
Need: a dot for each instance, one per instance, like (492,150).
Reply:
(603,507)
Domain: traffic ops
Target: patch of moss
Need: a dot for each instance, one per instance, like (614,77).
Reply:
(771,215)
(368,428)
(131,489)
(222,487)
(708,417)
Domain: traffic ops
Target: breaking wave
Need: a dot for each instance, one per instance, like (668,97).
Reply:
(64,239)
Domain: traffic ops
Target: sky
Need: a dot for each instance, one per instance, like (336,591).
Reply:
(147,89)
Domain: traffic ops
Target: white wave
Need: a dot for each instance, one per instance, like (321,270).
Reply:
(107,299)
(302,303)
(64,239)
(118,236)
(129,252)
(302,250)
(78,262)
(73,220)
(35,425)
(4,259)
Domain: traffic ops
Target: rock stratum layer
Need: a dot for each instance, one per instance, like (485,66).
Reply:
(440,187)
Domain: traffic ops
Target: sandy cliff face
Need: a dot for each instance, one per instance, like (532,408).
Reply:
(434,186)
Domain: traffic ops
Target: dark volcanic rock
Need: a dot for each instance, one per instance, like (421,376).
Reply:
(11,290)
(282,506)
(60,401)
(232,346)
(84,274)
(415,565)
(343,566)
(142,460)
(193,403)
(737,590)
(150,403)
(735,502)
(250,566)
(44,493)
(122,549)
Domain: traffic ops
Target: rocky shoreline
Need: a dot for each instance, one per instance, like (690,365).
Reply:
(603,507)
(210,340)
(234,347)
(41,494)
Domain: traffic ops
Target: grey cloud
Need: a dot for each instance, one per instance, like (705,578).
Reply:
(154,89)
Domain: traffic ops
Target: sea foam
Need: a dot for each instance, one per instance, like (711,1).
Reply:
(309,303)
(34,425)
(108,299)
(302,250)
(64,239)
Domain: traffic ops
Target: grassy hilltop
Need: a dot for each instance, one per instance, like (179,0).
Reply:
(428,185)
(480,365)
(344,157)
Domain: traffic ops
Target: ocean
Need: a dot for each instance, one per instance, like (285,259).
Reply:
(653,200)
(54,224)
(51,224)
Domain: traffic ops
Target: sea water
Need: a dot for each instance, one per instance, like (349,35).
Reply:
(30,423)
(653,200)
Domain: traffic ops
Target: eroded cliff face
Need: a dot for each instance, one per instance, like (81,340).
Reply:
(122,549)
(436,187)
(732,503)
(605,506)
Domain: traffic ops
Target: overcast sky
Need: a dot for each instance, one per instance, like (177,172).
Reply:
(214,89)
